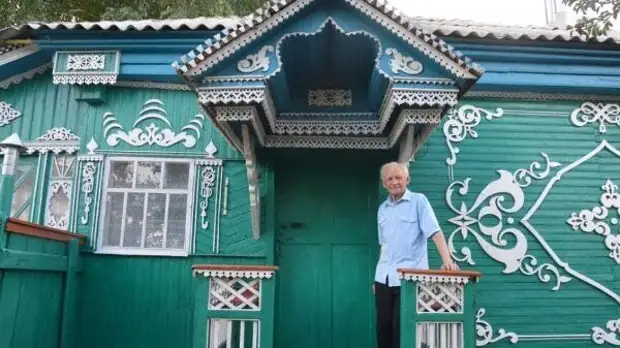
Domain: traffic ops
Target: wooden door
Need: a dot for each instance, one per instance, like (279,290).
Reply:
(326,249)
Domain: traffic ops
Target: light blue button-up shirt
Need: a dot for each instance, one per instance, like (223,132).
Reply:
(404,228)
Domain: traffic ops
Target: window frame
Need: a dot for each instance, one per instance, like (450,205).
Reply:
(189,227)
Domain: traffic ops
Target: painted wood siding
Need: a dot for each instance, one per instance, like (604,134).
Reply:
(545,298)
(89,113)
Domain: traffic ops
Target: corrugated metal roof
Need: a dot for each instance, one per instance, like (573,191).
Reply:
(199,23)
(439,27)
(472,29)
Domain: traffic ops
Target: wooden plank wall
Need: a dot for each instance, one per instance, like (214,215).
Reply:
(38,278)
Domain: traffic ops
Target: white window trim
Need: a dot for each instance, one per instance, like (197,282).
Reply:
(189,228)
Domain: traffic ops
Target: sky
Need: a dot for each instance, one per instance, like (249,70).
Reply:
(507,12)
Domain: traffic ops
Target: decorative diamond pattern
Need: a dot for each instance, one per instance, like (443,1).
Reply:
(234,294)
(439,298)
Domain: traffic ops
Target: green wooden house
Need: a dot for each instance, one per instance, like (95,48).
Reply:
(214,182)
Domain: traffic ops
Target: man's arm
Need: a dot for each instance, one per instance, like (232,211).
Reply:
(446,259)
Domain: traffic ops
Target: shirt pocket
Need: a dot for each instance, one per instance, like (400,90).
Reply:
(410,225)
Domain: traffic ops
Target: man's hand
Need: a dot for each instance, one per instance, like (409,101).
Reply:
(450,266)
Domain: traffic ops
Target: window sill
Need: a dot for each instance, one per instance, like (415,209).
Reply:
(141,252)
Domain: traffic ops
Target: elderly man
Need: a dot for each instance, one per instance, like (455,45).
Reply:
(405,222)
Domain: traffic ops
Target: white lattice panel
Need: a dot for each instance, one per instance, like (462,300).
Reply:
(439,297)
(237,294)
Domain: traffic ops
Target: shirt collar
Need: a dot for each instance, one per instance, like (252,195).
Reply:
(406,197)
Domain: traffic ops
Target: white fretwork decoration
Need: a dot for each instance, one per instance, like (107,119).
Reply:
(152,134)
(461,122)
(60,192)
(79,62)
(484,332)
(611,335)
(593,113)
(55,140)
(7,114)
(594,220)
(211,172)
(258,61)
(399,62)
(515,257)
(234,294)
(330,97)
(90,169)
(436,297)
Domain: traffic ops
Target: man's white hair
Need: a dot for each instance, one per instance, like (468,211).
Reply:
(403,167)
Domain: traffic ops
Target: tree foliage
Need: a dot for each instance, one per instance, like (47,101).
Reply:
(16,12)
(596,16)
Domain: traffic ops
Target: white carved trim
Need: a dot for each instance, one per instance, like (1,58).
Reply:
(226,44)
(241,114)
(330,97)
(257,61)
(594,220)
(459,124)
(484,332)
(425,81)
(400,62)
(233,95)
(414,97)
(61,179)
(55,140)
(18,53)
(14,80)
(254,28)
(327,142)
(78,62)
(7,114)
(90,166)
(233,78)
(233,274)
(327,128)
(235,294)
(85,79)
(592,113)
(430,278)
(611,335)
(334,23)
(413,116)
(436,52)
(151,134)
(153,85)
(539,96)
(311,116)
(514,255)
(604,145)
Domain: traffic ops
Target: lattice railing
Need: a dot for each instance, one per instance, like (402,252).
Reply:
(234,305)
(437,309)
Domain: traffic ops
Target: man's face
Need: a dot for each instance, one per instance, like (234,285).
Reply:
(395,180)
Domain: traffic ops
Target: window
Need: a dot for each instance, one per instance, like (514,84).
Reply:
(23,189)
(147,206)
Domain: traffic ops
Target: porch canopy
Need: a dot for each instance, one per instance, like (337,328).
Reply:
(336,74)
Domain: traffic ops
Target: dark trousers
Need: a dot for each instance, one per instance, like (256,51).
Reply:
(387,300)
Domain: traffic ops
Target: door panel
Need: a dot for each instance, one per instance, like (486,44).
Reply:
(326,250)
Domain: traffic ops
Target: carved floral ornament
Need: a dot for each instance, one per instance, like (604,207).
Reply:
(596,113)
(402,63)
(145,131)
(491,220)
(7,114)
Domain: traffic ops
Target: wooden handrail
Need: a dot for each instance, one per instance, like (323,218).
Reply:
(241,268)
(433,272)
(18,226)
